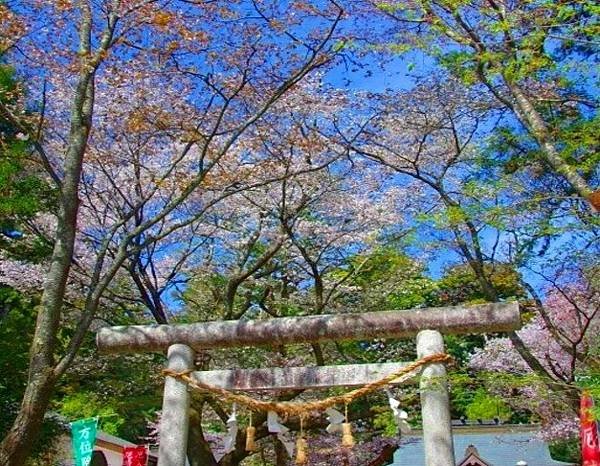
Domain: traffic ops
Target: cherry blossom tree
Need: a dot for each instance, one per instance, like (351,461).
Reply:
(429,138)
(518,53)
(283,249)
(164,89)
(196,143)
(562,336)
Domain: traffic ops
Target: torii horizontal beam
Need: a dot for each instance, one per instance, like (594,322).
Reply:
(481,318)
(292,378)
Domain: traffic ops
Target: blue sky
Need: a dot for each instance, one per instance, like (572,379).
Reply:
(394,75)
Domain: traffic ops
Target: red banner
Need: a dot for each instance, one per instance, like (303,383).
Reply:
(590,450)
(136,456)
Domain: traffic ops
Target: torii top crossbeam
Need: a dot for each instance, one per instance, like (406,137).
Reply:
(482,318)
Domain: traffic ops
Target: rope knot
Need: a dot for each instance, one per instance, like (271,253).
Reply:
(176,375)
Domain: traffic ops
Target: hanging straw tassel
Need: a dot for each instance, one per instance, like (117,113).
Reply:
(250,433)
(250,444)
(347,439)
(301,451)
(301,446)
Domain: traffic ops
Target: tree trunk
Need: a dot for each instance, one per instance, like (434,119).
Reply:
(489,291)
(534,122)
(198,450)
(281,456)
(18,443)
(16,446)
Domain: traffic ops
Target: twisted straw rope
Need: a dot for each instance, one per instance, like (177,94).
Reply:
(302,408)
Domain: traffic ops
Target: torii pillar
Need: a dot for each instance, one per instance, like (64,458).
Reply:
(174,422)
(435,403)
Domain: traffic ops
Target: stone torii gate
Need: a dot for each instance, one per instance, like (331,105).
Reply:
(181,342)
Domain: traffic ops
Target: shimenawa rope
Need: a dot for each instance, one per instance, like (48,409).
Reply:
(298,408)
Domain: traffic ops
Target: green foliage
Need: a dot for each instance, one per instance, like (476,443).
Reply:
(85,405)
(459,285)
(546,50)
(486,406)
(17,322)
(17,314)
(568,451)
(125,391)
(462,65)
(462,391)
(460,347)
(581,143)
(124,396)
(417,292)
(23,190)
(589,378)
(389,280)
(386,423)
(514,151)
(450,217)
(379,265)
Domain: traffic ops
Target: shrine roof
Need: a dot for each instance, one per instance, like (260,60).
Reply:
(497,445)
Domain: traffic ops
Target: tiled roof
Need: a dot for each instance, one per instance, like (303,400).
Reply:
(472,458)
(500,446)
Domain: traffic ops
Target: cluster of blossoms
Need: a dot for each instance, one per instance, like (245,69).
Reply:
(21,275)
(557,339)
